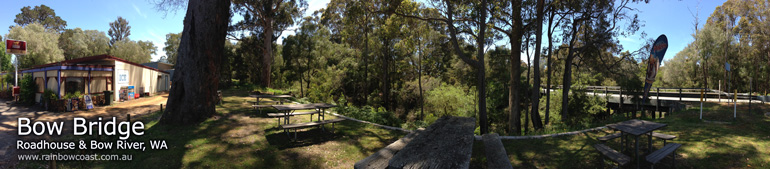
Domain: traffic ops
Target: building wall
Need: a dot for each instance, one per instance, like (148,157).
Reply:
(140,77)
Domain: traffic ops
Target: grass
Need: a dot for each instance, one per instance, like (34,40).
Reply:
(238,137)
(743,143)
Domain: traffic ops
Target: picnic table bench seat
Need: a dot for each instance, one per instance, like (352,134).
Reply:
(296,126)
(609,137)
(663,137)
(612,154)
(260,106)
(291,114)
(495,152)
(310,124)
(263,101)
(661,153)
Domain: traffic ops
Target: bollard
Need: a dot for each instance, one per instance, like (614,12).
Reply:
(161,108)
(735,104)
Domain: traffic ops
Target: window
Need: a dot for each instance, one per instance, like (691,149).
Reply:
(72,85)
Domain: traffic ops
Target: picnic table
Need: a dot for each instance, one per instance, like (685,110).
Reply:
(259,96)
(288,111)
(637,128)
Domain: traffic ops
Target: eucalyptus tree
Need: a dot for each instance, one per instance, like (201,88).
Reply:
(40,14)
(268,18)
(467,20)
(590,28)
(192,98)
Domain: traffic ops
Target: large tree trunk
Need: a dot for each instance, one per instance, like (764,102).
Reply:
(536,123)
(548,81)
(514,117)
(192,98)
(267,57)
(567,81)
(481,71)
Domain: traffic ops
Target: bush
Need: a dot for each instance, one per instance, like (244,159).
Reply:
(450,100)
(28,90)
(584,109)
(368,113)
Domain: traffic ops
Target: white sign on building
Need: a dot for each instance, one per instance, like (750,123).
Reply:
(122,77)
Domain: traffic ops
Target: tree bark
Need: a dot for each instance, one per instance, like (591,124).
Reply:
(267,57)
(567,81)
(548,81)
(514,117)
(536,123)
(481,71)
(193,97)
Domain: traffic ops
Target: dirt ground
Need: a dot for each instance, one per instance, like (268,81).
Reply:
(9,114)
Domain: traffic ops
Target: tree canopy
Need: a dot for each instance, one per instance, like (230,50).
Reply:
(40,14)
(119,30)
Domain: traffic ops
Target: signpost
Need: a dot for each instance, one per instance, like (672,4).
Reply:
(16,48)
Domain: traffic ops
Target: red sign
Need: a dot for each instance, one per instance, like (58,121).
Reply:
(15,47)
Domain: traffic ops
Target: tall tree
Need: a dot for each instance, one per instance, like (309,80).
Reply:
(268,18)
(5,58)
(148,47)
(77,43)
(41,14)
(507,19)
(475,18)
(535,113)
(593,27)
(193,96)
(172,46)
(119,30)
(132,51)
(42,44)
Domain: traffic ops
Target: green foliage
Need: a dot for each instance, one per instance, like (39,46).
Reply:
(172,46)
(450,100)
(371,114)
(132,51)
(5,58)
(50,95)
(28,90)
(77,43)
(74,95)
(43,15)
(42,44)
(584,109)
(119,30)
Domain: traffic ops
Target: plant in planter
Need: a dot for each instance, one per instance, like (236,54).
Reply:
(48,97)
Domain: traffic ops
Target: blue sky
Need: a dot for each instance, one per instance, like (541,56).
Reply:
(670,17)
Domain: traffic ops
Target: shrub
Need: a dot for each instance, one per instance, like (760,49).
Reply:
(450,100)
(28,90)
(584,109)
(368,113)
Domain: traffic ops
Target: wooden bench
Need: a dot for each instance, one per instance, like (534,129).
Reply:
(614,155)
(659,154)
(283,115)
(263,102)
(495,152)
(296,126)
(663,137)
(609,137)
